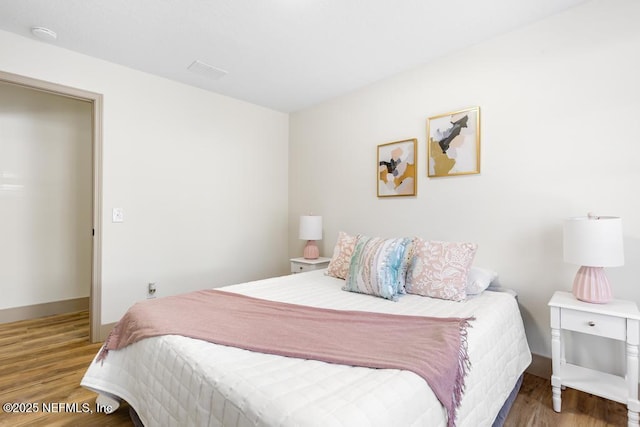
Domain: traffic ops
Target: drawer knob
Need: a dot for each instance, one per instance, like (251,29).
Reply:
(591,323)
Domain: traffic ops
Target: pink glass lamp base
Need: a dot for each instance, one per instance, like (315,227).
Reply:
(591,285)
(311,250)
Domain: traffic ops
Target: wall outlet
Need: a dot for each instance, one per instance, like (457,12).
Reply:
(151,290)
(117,215)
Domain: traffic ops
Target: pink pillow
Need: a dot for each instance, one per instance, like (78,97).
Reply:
(440,269)
(339,264)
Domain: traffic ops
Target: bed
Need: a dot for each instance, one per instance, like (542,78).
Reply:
(173,380)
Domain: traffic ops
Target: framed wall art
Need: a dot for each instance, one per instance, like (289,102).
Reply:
(453,143)
(397,168)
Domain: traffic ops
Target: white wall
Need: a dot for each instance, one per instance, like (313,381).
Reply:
(45,194)
(560,105)
(202,178)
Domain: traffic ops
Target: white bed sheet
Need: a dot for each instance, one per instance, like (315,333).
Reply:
(178,381)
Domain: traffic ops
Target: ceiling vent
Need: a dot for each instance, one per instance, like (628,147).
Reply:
(207,70)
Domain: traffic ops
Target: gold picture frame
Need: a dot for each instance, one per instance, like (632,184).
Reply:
(397,169)
(453,143)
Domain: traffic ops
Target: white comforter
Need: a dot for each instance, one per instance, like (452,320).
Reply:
(177,381)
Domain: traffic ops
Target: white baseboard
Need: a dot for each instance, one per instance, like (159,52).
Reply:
(105,329)
(540,366)
(45,309)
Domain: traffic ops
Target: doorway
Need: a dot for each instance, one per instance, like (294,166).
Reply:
(85,221)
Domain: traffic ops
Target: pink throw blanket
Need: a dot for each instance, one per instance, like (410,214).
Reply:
(434,348)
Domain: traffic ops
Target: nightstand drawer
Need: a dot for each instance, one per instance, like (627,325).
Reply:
(300,265)
(594,324)
(297,267)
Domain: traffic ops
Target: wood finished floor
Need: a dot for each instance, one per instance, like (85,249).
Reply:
(43,360)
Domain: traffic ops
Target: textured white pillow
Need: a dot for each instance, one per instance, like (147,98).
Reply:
(479,279)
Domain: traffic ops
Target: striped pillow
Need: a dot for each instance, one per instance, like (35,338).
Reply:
(378,266)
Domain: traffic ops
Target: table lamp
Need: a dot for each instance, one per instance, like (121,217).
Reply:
(593,242)
(311,230)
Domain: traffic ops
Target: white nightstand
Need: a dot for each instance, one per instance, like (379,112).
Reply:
(300,265)
(618,320)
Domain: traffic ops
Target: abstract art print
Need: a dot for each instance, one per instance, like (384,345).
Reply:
(397,168)
(453,143)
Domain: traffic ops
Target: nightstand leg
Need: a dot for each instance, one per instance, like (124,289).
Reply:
(556,381)
(557,398)
(632,372)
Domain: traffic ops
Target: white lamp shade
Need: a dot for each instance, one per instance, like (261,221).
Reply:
(310,227)
(593,241)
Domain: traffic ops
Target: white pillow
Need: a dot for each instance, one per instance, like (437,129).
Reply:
(479,279)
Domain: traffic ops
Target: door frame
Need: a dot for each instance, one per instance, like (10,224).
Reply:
(95,294)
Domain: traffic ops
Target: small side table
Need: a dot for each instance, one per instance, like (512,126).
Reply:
(618,320)
(300,265)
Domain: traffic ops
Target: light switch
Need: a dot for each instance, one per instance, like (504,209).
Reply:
(118,215)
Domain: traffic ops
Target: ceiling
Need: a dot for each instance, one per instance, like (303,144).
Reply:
(282,54)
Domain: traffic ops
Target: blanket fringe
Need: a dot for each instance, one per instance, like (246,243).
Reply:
(463,368)
(105,347)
